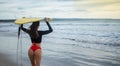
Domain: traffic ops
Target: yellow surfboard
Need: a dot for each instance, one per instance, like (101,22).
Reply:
(25,20)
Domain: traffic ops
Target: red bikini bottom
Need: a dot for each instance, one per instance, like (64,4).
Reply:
(34,47)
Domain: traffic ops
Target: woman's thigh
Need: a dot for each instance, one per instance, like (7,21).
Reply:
(38,55)
(31,56)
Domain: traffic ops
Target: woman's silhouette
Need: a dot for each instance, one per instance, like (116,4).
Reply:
(35,52)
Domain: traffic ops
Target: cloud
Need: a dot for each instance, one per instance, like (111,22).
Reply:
(98,8)
(60,8)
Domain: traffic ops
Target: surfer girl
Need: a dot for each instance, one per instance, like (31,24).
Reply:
(35,51)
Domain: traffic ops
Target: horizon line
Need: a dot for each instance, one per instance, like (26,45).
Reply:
(60,18)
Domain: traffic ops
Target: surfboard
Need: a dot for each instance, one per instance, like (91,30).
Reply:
(28,20)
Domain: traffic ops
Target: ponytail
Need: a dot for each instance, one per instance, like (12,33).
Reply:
(33,30)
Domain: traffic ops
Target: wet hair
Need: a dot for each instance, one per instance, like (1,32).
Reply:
(33,29)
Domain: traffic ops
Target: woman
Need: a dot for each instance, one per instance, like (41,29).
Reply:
(35,52)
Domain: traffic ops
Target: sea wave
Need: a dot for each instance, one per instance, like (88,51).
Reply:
(102,35)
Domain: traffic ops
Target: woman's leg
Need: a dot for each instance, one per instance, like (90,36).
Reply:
(31,57)
(38,55)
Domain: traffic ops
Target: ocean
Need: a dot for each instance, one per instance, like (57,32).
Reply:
(70,37)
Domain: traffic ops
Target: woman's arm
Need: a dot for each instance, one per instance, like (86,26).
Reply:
(47,31)
(24,29)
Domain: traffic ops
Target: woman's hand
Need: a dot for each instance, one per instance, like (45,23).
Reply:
(46,19)
(21,26)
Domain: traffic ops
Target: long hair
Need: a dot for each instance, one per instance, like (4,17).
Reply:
(33,29)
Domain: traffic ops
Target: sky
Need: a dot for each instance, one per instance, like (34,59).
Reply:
(10,9)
